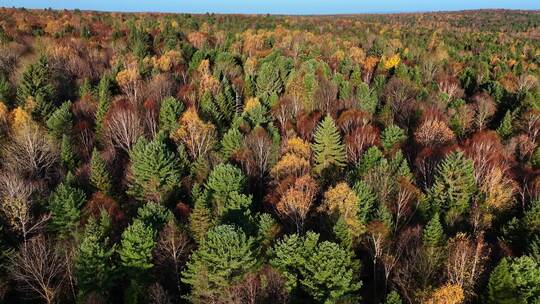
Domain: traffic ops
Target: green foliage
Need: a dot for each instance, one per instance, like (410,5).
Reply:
(232,141)
(94,265)
(104,101)
(6,90)
(454,186)
(100,177)
(329,152)
(371,158)
(36,82)
(266,229)
(514,281)
(323,270)
(60,121)
(393,298)
(342,233)
(366,199)
(225,186)
(156,171)
(367,98)
(169,113)
(200,220)
(65,205)
(433,232)
(219,109)
(506,128)
(392,136)
(67,156)
(154,215)
(136,245)
(224,255)
(268,80)
(535,159)
(139,41)
(531,219)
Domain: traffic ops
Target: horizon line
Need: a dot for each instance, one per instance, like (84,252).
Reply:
(373,12)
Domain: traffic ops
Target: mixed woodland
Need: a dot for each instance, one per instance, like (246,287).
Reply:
(241,159)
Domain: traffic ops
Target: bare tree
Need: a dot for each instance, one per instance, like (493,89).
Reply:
(123,125)
(39,268)
(16,206)
(172,249)
(297,201)
(466,260)
(484,108)
(261,152)
(158,295)
(31,154)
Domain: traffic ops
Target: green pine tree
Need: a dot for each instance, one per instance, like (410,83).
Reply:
(200,220)
(94,265)
(329,274)
(268,80)
(433,232)
(156,171)
(370,159)
(366,199)
(100,177)
(65,205)
(514,281)
(225,255)
(104,102)
(67,155)
(393,298)
(392,136)
(325,271)
(135,251)
(36,83)
(225,186)
(454,186)
(328,150)
(506,128)
(232,141)
(154,215)
(169,113)
(61,120)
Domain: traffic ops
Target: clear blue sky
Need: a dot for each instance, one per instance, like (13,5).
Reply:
(275,6)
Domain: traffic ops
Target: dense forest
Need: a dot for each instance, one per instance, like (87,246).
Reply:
(177,158)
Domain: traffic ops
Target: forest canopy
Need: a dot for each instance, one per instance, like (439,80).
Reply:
(178,158)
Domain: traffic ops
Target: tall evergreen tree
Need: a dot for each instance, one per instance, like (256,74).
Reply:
(514,281)
(61,120)
(94,265)
(433,232)
(100,177)
(65,204)
(36,84)
(454,186)
(232,141)
(67,155)
(223,256)
(506,128)
(135,251)
(323,270)
(104,102)
(225,186)
(328,149)
(392,136)
(169,112)
(136,246)
(156,171)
